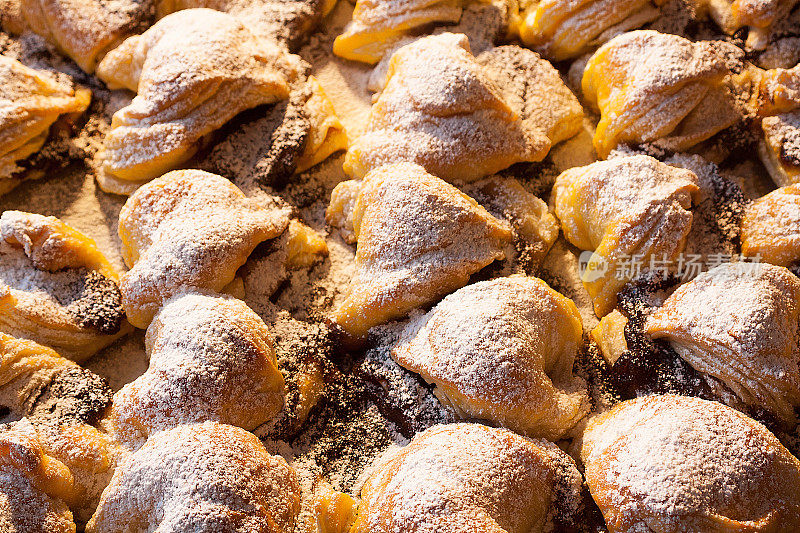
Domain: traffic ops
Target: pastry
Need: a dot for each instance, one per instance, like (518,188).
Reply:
(192,72)
(56,287)
(559,29)
(738,324)
(502,351)
(188,229)
(200,477)
(326,134)
(34,487)
(419,238)
(780,148)
(30,102)
(440,110)
(626,209)
(771,227)
(84,30)
(758,16)
(211,358)
(378,25)
(469,478)
(658,88)
(673,464)
(779,91)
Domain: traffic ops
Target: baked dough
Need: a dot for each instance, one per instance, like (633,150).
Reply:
(502,350)
(440,110)
(673,464)
(193,71)
(626,208)
(326,134)
(56,287)
(464,478)
(378,25)
(779,90)
(740,324)
(658,88)
(188,229)
(758,16)
(200,477)
(419,238)
(84,30)
(30,102)
(564,29)
(33,485)
(211,358)
(771,227)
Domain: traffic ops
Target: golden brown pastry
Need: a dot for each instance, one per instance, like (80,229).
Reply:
(56,287)
(626,207)
(560,29)
(757,15)
(419,238)
(738,323)
(658,88)
(33,485)
(779,91)
(440,110)
(378,25)
(771,227)
(326,133)
(30,102)
(188,229)
(211,358)
(502,350)
(200,477)
(779,150)
(672,464)
(192,72)
(464,478)
(84,30)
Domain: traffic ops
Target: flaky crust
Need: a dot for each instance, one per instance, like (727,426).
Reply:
(779,149)
(502,350)
(625,208)
(200,477)
(440,110)
(671,464)
(771,227)
(192,72)
(419,238)
(466,478)
(188,229)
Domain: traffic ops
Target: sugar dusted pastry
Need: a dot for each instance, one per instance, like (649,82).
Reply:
(674,464)
(626,207)
(211,358)
(30,102)
(440,110)
(192,72)
(188,229)
(35,488)
(200,477)
(779,91)
(56,287)
(419,238)
(84,30)
(779,149)
(464,478)
(378,25)
(326,133)
(758,16)
(502,350)
(738,323)
(658,88)
(559,29)
(771,227)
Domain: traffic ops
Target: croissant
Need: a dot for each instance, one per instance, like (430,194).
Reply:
(326,133)
(192,71)
(780,148)
(31,101)
(211,358)
(658,88)
(563,29)
(56,287)
(738,323)
(188,229)
(378,25)
(629,207)
(758,16)
(673,464)
(771,227)
(200,477)
(502,350)
(464,478)
(83,30)
(440,110)
(419,238)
